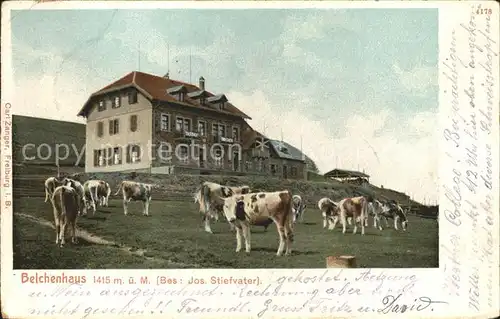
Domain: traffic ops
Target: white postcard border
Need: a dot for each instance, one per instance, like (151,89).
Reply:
(435,284)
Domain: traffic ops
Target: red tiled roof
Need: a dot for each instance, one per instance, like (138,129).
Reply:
(155,88)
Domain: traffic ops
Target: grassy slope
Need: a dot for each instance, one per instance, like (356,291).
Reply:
(174,233)
(26,130)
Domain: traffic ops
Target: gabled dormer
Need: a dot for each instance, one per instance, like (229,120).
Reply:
(199,95)
(218,101)
(178,92)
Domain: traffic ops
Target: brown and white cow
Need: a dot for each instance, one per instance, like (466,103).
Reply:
(80,191)
(207,197)
(137,192)
(51,184)
(103,193)
(329,211)
(65,201)
(355,207)
(244,210)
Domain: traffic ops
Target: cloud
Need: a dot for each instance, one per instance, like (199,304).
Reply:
(407,165)
(418,79)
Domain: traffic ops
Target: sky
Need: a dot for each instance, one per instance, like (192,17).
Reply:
(358,87)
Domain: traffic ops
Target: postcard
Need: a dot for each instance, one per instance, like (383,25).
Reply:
(259,159)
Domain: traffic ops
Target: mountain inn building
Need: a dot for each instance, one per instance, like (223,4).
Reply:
(149,123)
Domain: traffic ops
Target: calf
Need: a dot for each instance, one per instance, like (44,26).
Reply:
(392,210)
(51,184)
(137,192)
(65,203)
(243,210)
(206,195)
(82,201)
(355,207)
(298,208)
(329,211)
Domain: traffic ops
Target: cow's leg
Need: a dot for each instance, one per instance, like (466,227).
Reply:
(58,230)
(363,227)
(289,239)
(125,206)
(281,232)
(349,220)
(62,232)
(396,218)
(246,236)
(146,207)
(366,221)
(386,222)
(325,220)
(206,218)
(343,221)
(357,219)
(73,232)
(238,238)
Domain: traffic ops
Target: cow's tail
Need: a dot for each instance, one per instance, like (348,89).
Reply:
(46,193)
(289,218)
(119,188)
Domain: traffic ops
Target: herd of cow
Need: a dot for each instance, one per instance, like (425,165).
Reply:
(240,207)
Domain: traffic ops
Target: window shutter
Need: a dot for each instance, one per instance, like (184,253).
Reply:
(117,127)
(109,156)
(110,127)
(157,123)
(96,157)
(128,155)
(120,151)
(139,153)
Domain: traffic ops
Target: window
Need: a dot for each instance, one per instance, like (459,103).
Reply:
(165,122)
(113,127)
(182,124)
(203,101)
(98,158)
(236,134)
(248,165)
(165,153)
(132,97)
(202,128)
(183,154)
(116,102)
(133,123)
(218,157)
(117,156)
(273,169)
(258,164)
(180,96)
(101,106)
(293,171)
(134,154)
(221,105)
(100,129)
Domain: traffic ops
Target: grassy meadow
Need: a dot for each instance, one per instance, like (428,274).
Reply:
(173,237)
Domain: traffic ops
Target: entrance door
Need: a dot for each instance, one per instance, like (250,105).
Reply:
(201,157)
(236,162)
(285,171)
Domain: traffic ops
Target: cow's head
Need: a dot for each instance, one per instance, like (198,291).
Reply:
(245,190)
(226,191)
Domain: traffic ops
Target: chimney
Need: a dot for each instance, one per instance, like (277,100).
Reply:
(202,83)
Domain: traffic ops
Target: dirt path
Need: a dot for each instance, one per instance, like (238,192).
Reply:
(91,238)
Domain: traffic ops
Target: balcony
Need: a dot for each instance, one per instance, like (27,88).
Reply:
(260,153)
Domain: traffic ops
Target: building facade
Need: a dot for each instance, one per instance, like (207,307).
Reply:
(148,123)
